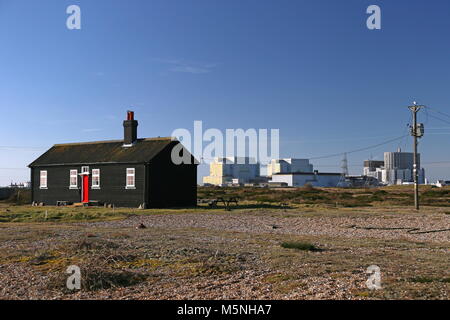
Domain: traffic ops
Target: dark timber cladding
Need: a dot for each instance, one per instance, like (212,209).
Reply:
(130,172)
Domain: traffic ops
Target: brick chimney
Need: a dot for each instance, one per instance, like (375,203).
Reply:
(130,129)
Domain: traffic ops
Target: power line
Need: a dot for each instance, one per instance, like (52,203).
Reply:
(433,110)
(358,150)
(440,119)
(437,111)
(437,162)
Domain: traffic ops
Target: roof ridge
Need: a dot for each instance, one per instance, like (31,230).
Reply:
(87,142)
(160,138)
(110,141)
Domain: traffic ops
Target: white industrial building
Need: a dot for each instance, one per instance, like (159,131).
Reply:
(288,165)
(298,172)
(442,183)
(374,168)
(397,168)
(232,170)
(299,179)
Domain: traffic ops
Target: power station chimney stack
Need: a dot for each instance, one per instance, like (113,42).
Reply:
(130,129)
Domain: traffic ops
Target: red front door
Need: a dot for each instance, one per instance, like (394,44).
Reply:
(85,196)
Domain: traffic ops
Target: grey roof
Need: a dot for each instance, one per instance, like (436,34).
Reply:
(142,151)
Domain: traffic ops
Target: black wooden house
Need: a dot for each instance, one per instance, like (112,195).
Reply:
(128,173)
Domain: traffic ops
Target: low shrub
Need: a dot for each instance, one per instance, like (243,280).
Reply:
(304,246)
(20,197)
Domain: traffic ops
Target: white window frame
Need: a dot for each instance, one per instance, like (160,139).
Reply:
(43,174)
(131,174)
(95,174)
(85,169)
(73,174)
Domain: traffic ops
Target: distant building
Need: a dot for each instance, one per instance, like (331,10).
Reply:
(288,166)
(372,168)
(21,185)
(299,179)
(298,172)
(397,168)
(232,171)
(442,183)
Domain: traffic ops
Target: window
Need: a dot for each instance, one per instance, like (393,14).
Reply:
(73,179)
(43,180)
(130,178)
(84,170)
(95,178)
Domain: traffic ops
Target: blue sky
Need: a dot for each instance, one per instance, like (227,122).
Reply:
(309,68)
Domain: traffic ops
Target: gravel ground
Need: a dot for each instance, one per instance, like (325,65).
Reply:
(329,226)
(238,255)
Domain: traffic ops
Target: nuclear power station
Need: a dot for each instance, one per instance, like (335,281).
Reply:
(397,168)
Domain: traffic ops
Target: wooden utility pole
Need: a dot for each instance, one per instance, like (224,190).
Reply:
(416,132)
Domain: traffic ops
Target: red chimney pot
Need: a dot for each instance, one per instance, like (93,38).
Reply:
(130,115)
